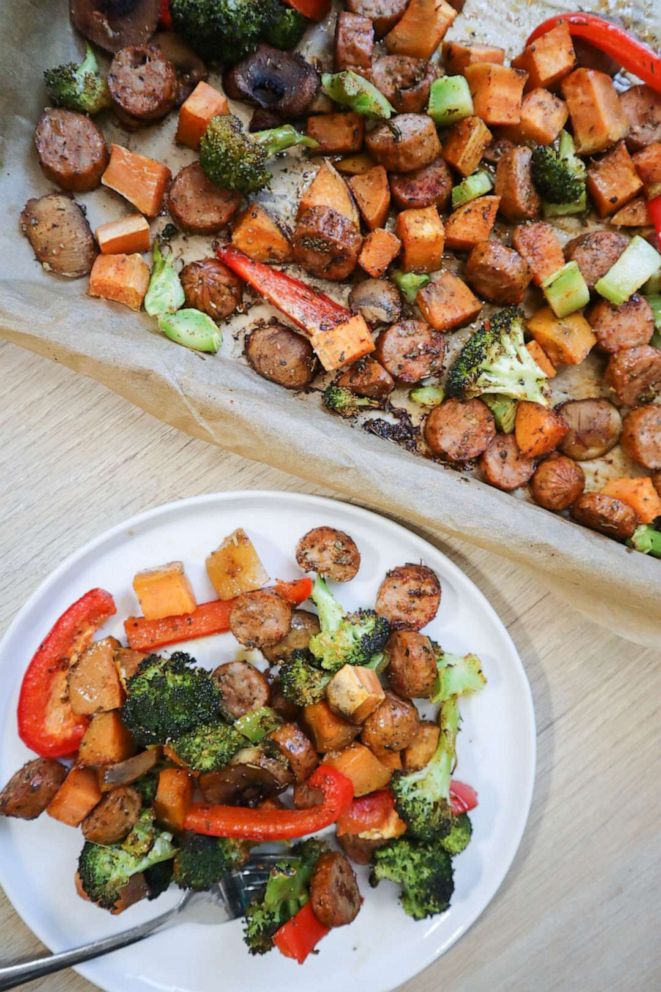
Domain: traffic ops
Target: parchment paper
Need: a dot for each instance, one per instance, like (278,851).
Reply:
(219,399)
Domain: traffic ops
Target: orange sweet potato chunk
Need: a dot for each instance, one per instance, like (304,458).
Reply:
(120,278)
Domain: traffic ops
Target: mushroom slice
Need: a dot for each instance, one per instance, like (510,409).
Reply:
(282,82)
(60,236)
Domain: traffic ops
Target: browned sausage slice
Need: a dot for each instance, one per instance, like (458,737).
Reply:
(297,748)
(519,200)
(410,350)
(72,150)
(604,513)
(557,483)
(459,430)
(111,26)
(330,552)
(281,355)
(404,81)
(594,428)
(199,206)
(211,287)
(404,143)
(259,619)
(114,817)
(625,326)
(426,187)
(242,688)
(503,464)
(641,435)
(412,665)
(142,83)
(497,273)
(60,236)
(326,243)
(334,894)
(634,374)
(595,253)
(642,108)
(392,725)
(409,596)
(354,41)
(304,626)
(367,377)
(383,13)
(29,791)
(360,849)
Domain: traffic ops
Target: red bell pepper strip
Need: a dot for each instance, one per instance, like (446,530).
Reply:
(316,10)
(206,619)
(299,936)
(654,211)
(46,722)
(463,798)
(261,825)
(629,52)
(305,307)
(165,17)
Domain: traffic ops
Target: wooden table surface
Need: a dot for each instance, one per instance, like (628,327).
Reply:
(579,909)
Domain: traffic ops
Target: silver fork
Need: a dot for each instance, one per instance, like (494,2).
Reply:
(226,901)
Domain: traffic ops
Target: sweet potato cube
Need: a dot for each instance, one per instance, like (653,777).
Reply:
(471,223)
(566,340)
(446,302)
(372,194)
(594,109)
(354,692)
(391,759)
(543,116)
(457,55)
(361,767)
(355,165)
(538,245)
(140,180)
(423,238)
(106,741)
(497,92)
(196,112)
(164,591)
(465,144)
(329,732)
(235,566)
(648,166)
(539,356)
(125,236)
(76,797)
(379,249)
(634,214)
(421,749)
(94,684)
(421,29)
(548,58)
(639,494)
(343,344)
(174,794)
(328,189)
(613,180)
(258,235)
(538,430)
(337,134)
(120,278)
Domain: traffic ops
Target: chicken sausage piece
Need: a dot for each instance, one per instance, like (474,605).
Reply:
(557,483)
(404,81)
(426,187)
(281,355)
(334,894)
(625,326)
(384,14)
(411,664)
(114,817)
(211,287)
(392,725)
(297,748)
(595,253)
(634,374)
(360,849)
(354,42)
(59,234)
(409,596)
(503,464)
(410,350)
(641,435)
(404,143)
(519,200)
(367,377)
(242,688)
(260,619)
(594,428)
(28,792)
(330,552)
(304,626)
(143,83)
(604,513)
(326,243)
(72,150)
(459,430)
(197,205)
(642,108)
(497,273)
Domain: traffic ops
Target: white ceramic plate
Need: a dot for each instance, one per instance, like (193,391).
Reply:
(383,948)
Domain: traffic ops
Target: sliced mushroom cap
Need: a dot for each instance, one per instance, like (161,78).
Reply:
(190,68)
(377,300)
(282,82)
(60,236)
(251,777)
(114,24)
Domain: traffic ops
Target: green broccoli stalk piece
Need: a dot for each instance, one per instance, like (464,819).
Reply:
(647,539)
(339,399)
(203,861)
(167,697)
(457,676)
(258,724)
(301,681)
(208,747)
(496,360)
(165,293)
(423,870)
(459,837)
(284,26)
(345,638)
(350,89)
(558,178)
(78,87)
(220,30)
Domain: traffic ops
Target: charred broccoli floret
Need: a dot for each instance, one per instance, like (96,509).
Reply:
(158,879)
(203,861)
(339,399)
(167,697)
(458,675)
(559,175)
(78,87)
(208,747)
(496,360)
(345,638)
(460,835)
(301,681)
(284,27)
(424,871)
(220,30)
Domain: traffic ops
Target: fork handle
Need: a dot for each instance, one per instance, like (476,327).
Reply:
(27,971)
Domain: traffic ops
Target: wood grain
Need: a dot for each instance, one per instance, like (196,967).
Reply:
(577,911)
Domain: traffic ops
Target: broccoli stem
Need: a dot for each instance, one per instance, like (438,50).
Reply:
(279,139)
(351,90)
(409,284)
(331,613)
(165,293)
(646,539)
(450,100)
(192,329)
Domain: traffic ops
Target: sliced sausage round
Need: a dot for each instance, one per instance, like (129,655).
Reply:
(392,725)
(411,664)
(404,143)
(377,300)
(305,796)
(604,513)
(211,287)
(360,849)
(304,626)
(71,148)
(410,350)
(297,748)
(634,374)
(29,791)
(409,596)
(281,355)
(143,83)
(242,688)
(112,24)
(384,14)
(557,483)
(503,464)
(426,187)
(114,817)
(641,106)
(595,253)
(594,428)
(625,326)
(197,205)
(519,200)
(404,81)
(354,42)
(326,243)
(334,894)
(367,377)
(641,435)
(459,430)
(330,552)
(497,273)
(260,619)
(59,234)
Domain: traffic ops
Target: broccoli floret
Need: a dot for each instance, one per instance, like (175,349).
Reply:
(559,178)
(345,638)
(339,399)
(105,870)
(158,879)
(202,861)
(496,360)
(424,871)
(647,538)
(460,835)
(78,87)
(209,747)
(457,676)
(167,697)
(301,681)
(220,30)
(258,724)
(142,836)
(147,785)
(284,27)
